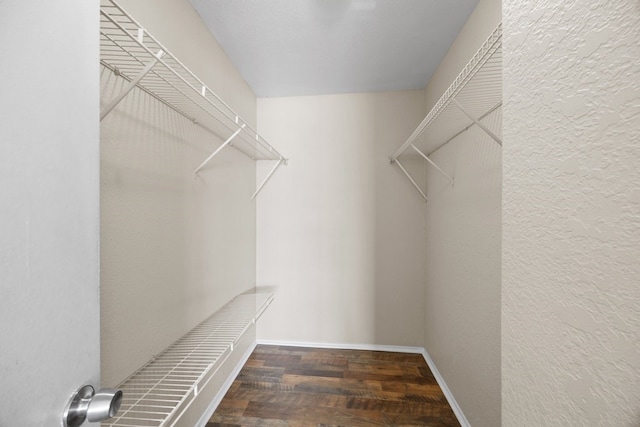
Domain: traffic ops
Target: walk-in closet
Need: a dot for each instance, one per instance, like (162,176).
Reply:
(208,186)
(315,213)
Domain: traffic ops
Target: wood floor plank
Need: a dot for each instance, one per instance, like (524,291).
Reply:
(295,386)
(329,382)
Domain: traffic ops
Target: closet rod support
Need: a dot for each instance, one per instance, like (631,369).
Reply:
(483,127)
(424,156)
(397,162)
(133,83)
(267,178)
(224,144)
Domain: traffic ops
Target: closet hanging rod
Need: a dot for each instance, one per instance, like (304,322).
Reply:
(466,128)
(174,108)
(132,83)
(139,40)
(476,66)
(477,122)
(170,80)
(424,156)
(148,92)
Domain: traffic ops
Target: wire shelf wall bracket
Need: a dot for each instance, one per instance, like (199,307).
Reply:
(132,53)
(269,175)
(132,83)
(474,94)
(415,184)
(161,391)
(477,122)
(224,144)
(424,156)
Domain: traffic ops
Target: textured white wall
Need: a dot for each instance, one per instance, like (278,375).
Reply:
(462,327)
(340,231)
(571,214)
(175,247)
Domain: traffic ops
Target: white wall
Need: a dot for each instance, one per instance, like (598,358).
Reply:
(49,218)
(175,247)
(340,231)
(571,209)
(462,325)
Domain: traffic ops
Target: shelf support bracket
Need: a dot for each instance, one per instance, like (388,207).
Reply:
(267,178)
(424,156)
(483,127)
(397,162)
(224,144)
(131,85)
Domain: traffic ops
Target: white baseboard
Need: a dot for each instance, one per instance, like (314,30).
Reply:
(392,348)
(371,347)
(208,413)
(445,390)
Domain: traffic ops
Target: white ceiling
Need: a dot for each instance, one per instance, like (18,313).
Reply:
(313,47)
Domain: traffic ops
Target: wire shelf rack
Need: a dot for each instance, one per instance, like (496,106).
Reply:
(474,94)
(162,390)
(129,51)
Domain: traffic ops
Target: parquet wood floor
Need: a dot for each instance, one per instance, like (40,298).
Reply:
(303,387)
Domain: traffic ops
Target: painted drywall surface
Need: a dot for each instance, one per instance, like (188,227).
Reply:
(484,19)
(49,218)
(175,246)
(462,328)
(340,230)
(571,214)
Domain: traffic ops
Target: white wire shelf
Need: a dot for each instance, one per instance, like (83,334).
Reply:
(129,51)
(474,94)
(158,393)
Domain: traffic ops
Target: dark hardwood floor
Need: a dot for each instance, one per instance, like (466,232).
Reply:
(303,387)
